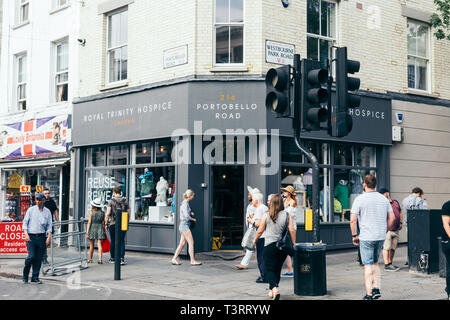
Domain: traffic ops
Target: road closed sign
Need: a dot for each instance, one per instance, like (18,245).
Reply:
(12,239)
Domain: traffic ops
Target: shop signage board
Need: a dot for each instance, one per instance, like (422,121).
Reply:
(35,137)
(12,239)
(279,52)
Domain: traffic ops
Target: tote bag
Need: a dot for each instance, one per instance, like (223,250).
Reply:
(284,242)
(106,245)
(247,240)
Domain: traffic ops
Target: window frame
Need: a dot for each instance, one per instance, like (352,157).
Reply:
(57,5)
(228,24)
(129,168)
(415,57)
(19,58)
(319,36)
(108,49)
(20,6)
(58,73)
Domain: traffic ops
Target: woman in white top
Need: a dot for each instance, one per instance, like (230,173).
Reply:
(290,205)
(273,224)
(186,234)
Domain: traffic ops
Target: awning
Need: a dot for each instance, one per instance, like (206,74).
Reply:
(34,163)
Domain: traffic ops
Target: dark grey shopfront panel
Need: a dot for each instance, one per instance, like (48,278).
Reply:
(135,116)
(146,237)
(372,123)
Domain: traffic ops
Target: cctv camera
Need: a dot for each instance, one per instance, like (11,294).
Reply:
(82,41)
(399,117)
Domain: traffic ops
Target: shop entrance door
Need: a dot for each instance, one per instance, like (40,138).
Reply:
(227,206)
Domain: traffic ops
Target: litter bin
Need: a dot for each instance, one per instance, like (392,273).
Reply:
(310,275)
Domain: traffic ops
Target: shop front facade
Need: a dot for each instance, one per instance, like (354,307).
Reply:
(33,156)
(216,138)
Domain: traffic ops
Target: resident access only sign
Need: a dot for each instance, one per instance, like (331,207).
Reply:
(12,239)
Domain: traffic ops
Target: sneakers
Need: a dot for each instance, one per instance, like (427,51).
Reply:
(111,260)
(45,262)
(287,275)
(367,297)
(122,262)
(406,264)
(376,294)
(24,280)
(36,281)
(391,267)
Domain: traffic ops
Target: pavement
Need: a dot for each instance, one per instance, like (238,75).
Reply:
(153,276)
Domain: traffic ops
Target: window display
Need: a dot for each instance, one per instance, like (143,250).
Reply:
(153,194)
(148,184)
(22,185)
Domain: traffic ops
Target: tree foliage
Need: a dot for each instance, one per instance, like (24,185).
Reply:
(441,21)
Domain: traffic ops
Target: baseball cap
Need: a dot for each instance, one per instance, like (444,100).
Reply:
(383,190)
(40,196)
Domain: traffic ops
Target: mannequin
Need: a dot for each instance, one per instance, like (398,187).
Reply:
(147,183)
(341,193)
(298,184)
(356,184)
(161,190)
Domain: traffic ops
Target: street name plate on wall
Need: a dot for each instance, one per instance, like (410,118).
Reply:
(176,56)
(279,52)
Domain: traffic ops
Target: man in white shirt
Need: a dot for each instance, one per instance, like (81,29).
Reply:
(374,214)
(258,202)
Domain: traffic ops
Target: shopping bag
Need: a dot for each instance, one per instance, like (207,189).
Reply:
(106,245)
(247,240)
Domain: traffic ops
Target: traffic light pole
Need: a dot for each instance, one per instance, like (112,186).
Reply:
(311,157)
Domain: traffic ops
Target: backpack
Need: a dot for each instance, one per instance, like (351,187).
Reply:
(117,207)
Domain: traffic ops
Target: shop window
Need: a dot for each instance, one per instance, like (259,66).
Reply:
(117,155)
(144,152)
(164,151)
(343,155)
(100,184)
(365,156)
(229,29)
(96,157)
(290,152)
(153,189)
(18,201)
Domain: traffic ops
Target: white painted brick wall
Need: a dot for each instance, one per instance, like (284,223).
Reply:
(155,26)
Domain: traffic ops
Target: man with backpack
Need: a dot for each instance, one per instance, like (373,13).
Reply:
(390,244)
(117,205)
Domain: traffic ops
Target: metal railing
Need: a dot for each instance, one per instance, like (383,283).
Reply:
(62,258)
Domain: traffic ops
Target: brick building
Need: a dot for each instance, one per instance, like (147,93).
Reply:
(149,71)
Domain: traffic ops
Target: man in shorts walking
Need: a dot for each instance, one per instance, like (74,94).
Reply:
(390,244)
(374,214)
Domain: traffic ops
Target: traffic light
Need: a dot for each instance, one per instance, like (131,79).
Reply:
(278,91)
(312,113)
(345,99)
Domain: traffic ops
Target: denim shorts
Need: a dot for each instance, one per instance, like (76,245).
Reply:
(370,251)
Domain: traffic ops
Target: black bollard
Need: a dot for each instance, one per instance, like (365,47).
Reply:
(117,247)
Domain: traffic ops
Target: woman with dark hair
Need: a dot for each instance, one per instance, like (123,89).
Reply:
(273,224)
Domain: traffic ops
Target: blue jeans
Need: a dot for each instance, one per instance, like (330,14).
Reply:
(36,247)
(112,233)
(370,251)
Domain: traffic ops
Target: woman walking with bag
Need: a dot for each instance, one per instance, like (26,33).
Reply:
(274,223)
(290,206)
(186,234)
(96,229)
